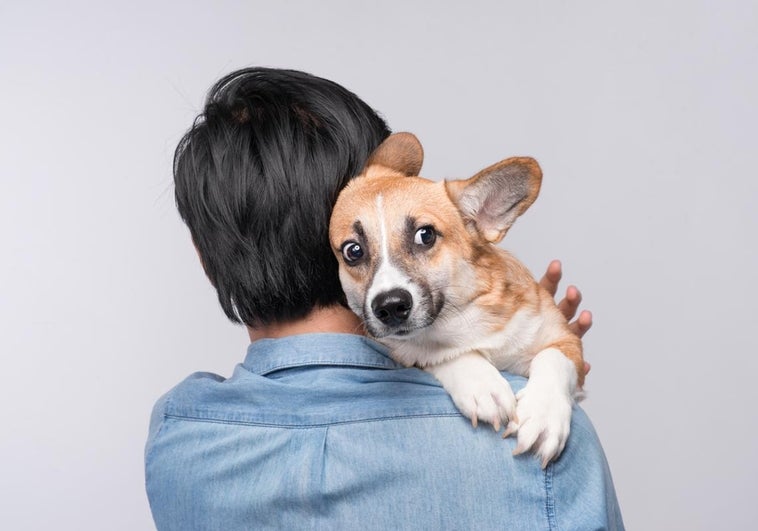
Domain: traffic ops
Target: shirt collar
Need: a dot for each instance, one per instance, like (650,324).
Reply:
(268,355)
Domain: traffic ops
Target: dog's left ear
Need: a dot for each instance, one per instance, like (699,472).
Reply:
(496,196)
(400,152)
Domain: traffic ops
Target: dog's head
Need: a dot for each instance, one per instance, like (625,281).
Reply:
(408,246)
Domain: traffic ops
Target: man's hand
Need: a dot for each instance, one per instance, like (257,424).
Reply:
(570,303)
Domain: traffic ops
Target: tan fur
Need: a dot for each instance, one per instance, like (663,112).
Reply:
(503,285)
(463,262)
(418,264)
(401,152)
(456,188)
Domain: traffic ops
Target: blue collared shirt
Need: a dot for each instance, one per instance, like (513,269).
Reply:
(325,431)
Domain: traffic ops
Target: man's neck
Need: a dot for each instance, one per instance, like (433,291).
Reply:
(332,319)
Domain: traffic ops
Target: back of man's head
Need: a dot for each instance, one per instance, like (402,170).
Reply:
(256,178)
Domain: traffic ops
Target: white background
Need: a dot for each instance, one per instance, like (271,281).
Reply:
(643,116)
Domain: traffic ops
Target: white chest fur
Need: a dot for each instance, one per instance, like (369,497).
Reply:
(508,347)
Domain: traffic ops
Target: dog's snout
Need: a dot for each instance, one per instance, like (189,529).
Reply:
(392,307)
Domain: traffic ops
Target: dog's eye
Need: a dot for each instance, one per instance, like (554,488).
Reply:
(352,252)
(425,236)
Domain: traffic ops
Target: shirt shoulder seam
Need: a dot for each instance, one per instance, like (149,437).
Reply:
(302,426)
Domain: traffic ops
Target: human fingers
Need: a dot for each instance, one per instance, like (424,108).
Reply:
(582,324)
(552,277)
(570,303)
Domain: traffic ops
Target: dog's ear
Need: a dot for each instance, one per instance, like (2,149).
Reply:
(496,196)
(401,152)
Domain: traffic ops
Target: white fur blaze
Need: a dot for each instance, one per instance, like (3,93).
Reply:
(388,276)
(478,390)
(544,405)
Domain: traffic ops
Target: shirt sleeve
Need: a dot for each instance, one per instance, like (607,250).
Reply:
(156,421)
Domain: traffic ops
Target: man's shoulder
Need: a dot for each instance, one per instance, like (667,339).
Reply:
(297,397)
(335,419)
(392,434)
(322,395)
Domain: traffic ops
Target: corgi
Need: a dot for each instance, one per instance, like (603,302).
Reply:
(419,264)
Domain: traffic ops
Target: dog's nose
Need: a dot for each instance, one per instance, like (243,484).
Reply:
(392,307)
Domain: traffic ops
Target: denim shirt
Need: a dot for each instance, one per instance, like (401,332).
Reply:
(325,431)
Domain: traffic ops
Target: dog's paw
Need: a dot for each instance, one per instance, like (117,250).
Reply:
(544,415)
(485,399)
(478,390)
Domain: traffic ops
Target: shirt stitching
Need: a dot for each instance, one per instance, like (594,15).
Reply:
(263,371)
(190,418)
(549,498)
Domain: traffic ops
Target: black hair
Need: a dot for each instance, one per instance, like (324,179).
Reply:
(256,178)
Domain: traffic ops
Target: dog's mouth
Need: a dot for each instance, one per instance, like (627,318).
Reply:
(405,332)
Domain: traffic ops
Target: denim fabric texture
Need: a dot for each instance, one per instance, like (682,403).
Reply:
(325,431)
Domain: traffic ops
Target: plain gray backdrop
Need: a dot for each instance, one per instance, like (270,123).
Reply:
(643,116)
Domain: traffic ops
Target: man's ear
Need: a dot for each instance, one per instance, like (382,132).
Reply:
(400,152)
(496,196)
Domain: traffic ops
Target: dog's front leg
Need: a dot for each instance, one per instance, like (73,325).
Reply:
(478,390)
(544,405)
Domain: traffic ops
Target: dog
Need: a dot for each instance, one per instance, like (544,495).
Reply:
(418,264)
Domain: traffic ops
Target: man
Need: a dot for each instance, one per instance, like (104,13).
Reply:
(318,428)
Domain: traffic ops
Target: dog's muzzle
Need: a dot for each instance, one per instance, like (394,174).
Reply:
(392,307)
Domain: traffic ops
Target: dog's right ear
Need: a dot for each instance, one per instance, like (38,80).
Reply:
(400,152)
(493,198)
